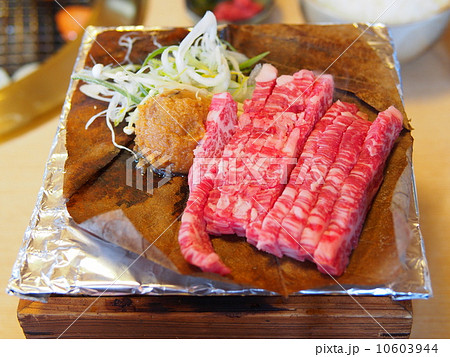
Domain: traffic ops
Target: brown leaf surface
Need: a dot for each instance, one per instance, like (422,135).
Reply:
(96,179)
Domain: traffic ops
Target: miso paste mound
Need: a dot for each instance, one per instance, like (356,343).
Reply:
(169,128)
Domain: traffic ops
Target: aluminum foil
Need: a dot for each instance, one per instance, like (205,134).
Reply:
(60,257)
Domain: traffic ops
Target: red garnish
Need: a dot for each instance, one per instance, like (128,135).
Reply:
(237,10)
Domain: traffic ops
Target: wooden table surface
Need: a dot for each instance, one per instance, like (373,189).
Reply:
(426,82)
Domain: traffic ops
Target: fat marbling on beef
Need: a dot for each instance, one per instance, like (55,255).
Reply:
(320,213)
(358,190)
(193,239)
(272,131)
(281,228)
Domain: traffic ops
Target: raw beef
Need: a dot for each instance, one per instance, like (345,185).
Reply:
(346,158)
(276,223)
(308,187)
(292,180)
(193,239)
(317,100)
(261,150)
(265,82)
(359,188)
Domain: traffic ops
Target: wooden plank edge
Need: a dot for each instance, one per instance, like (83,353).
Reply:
(305,316)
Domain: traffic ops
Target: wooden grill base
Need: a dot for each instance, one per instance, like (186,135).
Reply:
(216,317)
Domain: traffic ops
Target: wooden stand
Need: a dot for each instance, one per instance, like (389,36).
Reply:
(216,317)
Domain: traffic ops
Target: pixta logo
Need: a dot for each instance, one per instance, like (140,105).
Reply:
(148,170)
(265,172)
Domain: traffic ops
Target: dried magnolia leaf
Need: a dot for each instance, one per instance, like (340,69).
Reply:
(97,181)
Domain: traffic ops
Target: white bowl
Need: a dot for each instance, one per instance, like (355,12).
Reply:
(410,39)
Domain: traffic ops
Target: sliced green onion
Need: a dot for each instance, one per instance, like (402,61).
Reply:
(109,85)
(144,90)
(195,62)
(153,54)
(230,46)
(251,61)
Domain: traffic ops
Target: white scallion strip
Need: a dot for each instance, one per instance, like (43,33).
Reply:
(98,115)
(127,42)
(113,139)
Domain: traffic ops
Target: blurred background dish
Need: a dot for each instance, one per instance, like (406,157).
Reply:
(231,11)
(414,24)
